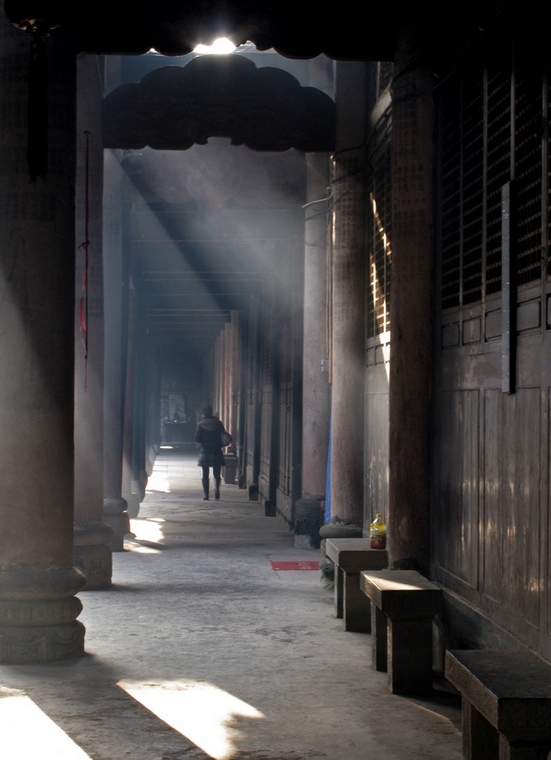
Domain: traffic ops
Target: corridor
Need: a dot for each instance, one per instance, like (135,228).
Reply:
(202,650)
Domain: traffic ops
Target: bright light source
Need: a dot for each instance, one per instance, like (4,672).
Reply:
(221,46)
(203,713)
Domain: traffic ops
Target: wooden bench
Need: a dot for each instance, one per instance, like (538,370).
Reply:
(350,556)
(403,604)
(506,698)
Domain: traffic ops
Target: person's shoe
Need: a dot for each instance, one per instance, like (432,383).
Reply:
(217,491)
(206,497)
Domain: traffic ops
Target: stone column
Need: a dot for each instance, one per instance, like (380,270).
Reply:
(113,503)
(38,583)
(139,378)
(227,376)
(128,484)
(152,407)
(231,379)
(315,397)
(410,315)
(348,299)
(217,402)
(232,425)
(91,535)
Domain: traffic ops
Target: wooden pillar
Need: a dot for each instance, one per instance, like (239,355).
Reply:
(315,403)
(91,535)
(315,395)
(348,301)
(128,485)
(113,414)
(232,424)
(38,583)
(410,315)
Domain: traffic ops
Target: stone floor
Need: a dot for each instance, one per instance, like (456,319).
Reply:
(200,650)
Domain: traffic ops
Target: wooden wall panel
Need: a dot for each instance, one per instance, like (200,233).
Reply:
(456,486)
(511,527)
(493,512)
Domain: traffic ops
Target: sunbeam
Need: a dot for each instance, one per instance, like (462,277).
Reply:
(27,732)
(203,713)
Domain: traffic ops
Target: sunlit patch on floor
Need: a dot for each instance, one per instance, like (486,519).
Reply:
(201,712)
(146,536)
(28,733)
(158,483)
(304,565)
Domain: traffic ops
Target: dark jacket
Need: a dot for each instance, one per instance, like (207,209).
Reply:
(207,436)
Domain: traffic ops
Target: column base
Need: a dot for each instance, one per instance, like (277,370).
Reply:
(139,486)
(45,643)
(116,517)
(230,469)
(270,509)
(132,505)
(338,530)
(92,556)
(308,520)
(34,627)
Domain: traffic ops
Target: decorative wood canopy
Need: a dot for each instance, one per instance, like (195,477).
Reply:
(174,107)
(294,28)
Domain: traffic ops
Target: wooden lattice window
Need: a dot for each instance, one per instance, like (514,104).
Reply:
(379,239)
(491,117)
(528,187)
(497,140)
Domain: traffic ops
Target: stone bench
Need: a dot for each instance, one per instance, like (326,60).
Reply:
(506,702)
(350,556)
(403,604)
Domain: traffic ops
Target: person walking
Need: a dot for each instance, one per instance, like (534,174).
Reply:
(209,437)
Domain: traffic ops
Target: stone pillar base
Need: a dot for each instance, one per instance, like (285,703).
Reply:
(253,492)
(34,627)
(230,469)
(139,486)
(132,504)
(97,565)
(308,520)
(92,556)
(44,643)
(334,530)
(270,509)
(116,517)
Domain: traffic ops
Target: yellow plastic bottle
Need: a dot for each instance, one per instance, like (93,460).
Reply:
(377,533)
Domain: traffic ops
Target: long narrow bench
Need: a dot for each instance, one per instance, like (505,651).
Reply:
(506,702)
(350,556)
(403,604)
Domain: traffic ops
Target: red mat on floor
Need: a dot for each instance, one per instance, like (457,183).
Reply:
(304,565)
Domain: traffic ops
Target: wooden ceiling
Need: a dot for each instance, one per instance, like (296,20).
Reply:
(345,30)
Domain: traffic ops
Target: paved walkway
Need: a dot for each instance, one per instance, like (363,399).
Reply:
(201,650)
